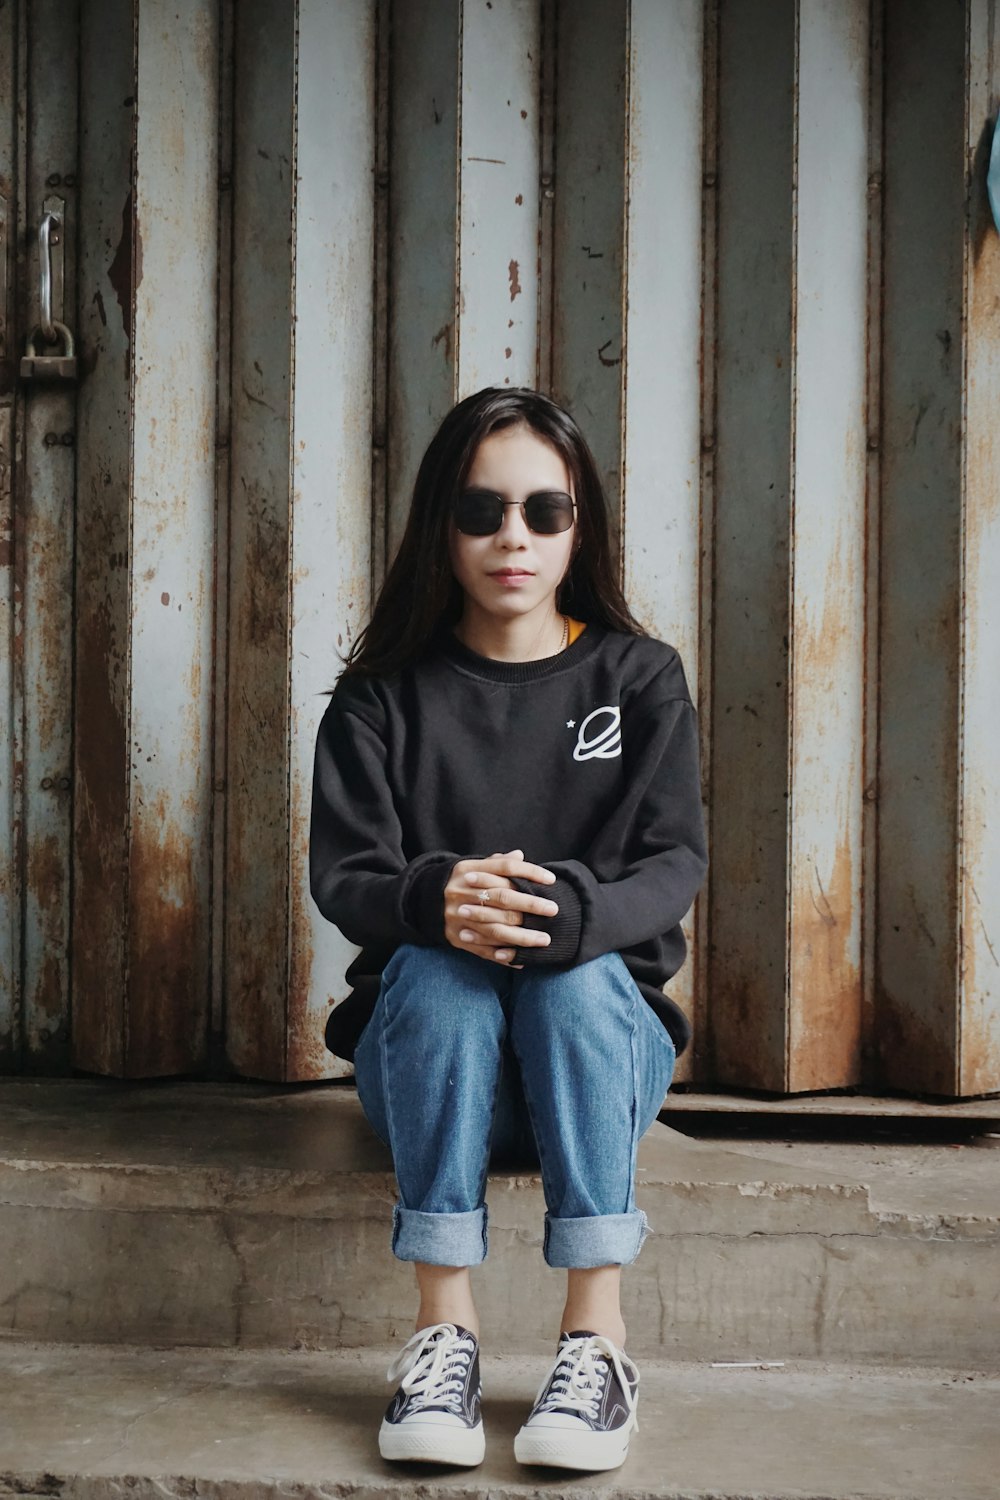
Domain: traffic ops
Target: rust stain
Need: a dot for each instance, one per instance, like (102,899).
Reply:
(121,273)
(168,955)
(49,999)
(444,336)
(826,1022)
(513,271)
(164,598)
(519,199)
(913,1054)
(101,817)
(979,980)
(47,872)
(306,1054)
(508,351)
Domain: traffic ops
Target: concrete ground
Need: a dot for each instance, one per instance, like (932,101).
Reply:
(99,1423)
(257,1216)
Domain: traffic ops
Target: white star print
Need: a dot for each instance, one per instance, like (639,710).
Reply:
(570,723)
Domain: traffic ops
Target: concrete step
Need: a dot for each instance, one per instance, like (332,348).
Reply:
(93,1423)
(257,1216)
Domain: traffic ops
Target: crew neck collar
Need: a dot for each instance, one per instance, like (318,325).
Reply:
(491,670)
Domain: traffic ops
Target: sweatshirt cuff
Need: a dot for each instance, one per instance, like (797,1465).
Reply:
(564,928)
(424,907)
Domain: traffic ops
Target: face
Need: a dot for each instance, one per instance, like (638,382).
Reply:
(515,571)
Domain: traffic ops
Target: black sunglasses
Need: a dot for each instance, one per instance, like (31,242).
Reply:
(480,512)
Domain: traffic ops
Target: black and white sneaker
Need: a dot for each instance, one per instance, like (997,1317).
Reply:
(585,1408)
(434,1417)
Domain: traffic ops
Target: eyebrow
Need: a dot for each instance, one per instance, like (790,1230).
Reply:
(483,489)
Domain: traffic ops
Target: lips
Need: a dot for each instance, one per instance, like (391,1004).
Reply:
(512,573)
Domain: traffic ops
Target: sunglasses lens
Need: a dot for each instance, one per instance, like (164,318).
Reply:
(478,514)
(549,513)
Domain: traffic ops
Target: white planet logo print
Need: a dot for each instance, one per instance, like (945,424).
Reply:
(599,740)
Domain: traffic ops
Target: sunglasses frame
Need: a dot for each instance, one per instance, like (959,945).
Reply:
(523,504)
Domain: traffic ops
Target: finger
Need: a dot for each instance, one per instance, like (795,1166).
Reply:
(486,950)
(483,914)
(506,864)
(499,956)
(486,877)
(524,937)
(506,896)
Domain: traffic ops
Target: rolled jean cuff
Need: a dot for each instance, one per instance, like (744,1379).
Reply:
(439,1239)
(600,1240)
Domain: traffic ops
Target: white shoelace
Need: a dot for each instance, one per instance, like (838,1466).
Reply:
(577,1382)
(431,1367)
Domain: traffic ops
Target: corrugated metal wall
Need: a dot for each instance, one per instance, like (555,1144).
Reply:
(746,241)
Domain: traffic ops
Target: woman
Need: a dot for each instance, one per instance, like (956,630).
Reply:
(507,819)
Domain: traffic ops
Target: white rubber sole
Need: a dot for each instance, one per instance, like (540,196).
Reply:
(560,1449)
(430,1443)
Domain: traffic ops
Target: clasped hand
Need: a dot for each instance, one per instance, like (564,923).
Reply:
(493,928)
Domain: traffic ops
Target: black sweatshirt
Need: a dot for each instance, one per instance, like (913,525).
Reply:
(587,760)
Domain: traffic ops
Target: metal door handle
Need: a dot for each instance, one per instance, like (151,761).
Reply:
(45,228)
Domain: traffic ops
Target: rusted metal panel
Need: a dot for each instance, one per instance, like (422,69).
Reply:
(302,473)
(101,782)
(10,708)
(172,533)
(788,627)
(262,302)
(329,559)
(917,955)
(661,501)
(828,531)
(423,217)
(144,576)
(873,544)
(45,543)
(588,230)
(223,426)
(979,856)
(498,208)
(750,629)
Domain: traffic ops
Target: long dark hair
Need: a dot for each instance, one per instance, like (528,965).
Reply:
(420,594)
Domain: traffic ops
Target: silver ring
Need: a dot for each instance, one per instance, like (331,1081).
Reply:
(484,896)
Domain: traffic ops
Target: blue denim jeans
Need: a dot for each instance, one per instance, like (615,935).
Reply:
(466,1064)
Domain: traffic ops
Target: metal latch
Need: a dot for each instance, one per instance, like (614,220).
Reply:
(62,366)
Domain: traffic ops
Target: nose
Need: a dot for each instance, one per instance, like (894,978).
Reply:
(514,531)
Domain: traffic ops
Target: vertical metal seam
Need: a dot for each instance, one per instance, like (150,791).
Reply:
(960,840)
(381,293)
(70,874)
(219,810)
(129,658)
(703,1058)
(456,368)
(626,144)
(793,361)
(547,88)
(872,568)
(18,302)
(290,565)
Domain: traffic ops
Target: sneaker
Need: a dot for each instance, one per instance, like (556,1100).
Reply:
(434,1416)
(585,1407)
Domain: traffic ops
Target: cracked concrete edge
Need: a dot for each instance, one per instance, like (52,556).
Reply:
(185,1487)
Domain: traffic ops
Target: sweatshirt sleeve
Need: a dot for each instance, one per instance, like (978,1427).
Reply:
(653,849)
(359,876)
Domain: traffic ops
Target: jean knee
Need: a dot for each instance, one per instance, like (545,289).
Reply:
(568,996)
(439,984)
